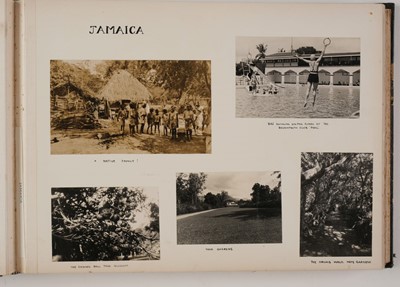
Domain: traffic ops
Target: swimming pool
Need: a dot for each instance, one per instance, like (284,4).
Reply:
(331,102)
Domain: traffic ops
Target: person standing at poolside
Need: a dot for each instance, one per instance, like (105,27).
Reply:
(313,79)
(253,83)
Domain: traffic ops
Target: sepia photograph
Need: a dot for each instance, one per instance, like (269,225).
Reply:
(130,107)
(297,77)
(229,207)
(336,204)
(105,223)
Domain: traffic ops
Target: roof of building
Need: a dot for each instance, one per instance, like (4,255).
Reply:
(289,55)
(63,89)
(124,86)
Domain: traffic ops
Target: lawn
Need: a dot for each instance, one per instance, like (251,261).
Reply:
(232,225)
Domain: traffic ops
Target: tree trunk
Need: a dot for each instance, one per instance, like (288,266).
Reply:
(318,171)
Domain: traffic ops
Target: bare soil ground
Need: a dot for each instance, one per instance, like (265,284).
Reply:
(336,240)
(110,140)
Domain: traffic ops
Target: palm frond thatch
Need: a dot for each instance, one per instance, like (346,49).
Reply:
(124,86)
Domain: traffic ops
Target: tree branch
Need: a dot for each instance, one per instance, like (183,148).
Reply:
(318,171)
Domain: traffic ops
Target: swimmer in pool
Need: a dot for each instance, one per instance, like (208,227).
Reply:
(313,78)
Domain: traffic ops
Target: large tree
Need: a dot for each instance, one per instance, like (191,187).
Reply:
(62,73)
(262,50)
(307,50)
(90,224)
(196,184)
(211,199)
(336,182)
(217,200)
(176,77)
(260,194)
(182,195)
(191,77)
(189,187)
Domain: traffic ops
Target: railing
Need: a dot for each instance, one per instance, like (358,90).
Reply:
(244,81)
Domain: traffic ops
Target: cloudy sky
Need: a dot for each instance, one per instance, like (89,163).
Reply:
(246,45)
(142,215)
(88,64)
(238,184)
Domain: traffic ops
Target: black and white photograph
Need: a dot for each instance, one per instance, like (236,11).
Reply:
(336,204)
(229,207)
(105,224)
(130,107)
(297,77)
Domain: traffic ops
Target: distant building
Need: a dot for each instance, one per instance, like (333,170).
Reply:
(335,69)
(231,204)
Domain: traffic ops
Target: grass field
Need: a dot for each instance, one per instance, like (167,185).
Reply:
(232,225)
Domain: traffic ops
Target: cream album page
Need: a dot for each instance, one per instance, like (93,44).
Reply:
(175,136)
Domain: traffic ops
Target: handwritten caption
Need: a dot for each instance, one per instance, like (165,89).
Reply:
(219,249)
(339,262)
(98,266)
(298,125)
(116,161)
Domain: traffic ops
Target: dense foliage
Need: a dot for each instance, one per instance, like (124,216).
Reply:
(91,224)
(217,200)
(307,50)
(262,50)
(62,73)
(188,189)
(177,78)
(264,196)
(336,189)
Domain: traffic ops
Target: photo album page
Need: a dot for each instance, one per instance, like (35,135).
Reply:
(175,136)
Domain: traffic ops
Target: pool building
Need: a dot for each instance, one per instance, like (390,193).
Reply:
(339,69)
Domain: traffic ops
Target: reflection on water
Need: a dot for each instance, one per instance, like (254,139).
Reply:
(331,102)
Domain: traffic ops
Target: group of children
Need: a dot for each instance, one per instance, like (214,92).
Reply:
(254,87)
(178,122)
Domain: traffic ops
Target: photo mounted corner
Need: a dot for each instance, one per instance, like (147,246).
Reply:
(297,77)
(130,106)
(229,208)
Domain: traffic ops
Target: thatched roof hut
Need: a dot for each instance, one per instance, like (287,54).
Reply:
(64,89)
(68,96)
(123,86)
